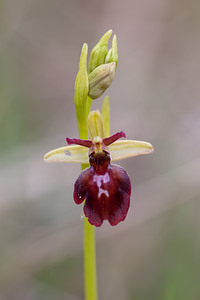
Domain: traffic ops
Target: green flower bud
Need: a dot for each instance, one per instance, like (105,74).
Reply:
(100,79)
(81,92)
(99,52)
(112,55)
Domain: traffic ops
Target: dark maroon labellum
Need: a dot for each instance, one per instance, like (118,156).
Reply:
(106,189)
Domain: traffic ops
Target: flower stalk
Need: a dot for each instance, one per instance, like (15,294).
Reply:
(90,261)
(104,188)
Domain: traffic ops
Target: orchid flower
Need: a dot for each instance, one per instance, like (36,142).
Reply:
(105,187)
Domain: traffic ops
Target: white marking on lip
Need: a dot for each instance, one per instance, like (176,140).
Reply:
(100,179)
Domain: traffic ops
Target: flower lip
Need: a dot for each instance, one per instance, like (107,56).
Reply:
(106,189)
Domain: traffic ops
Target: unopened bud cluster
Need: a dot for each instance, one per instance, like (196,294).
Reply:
(101,69)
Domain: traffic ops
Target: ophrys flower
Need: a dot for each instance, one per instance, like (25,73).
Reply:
(105,187)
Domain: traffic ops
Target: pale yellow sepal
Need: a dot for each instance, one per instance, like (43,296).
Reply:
(95,124)
(118,150)
(72,153)
(129,148)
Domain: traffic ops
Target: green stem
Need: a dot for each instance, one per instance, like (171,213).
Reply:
(90,261)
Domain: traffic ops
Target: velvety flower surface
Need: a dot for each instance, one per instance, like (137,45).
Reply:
(106,188)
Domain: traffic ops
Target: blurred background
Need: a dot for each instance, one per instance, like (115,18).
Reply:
(155,253)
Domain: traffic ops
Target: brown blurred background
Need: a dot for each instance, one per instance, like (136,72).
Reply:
(155,253)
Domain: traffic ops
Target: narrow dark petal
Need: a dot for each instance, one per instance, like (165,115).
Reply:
(80,186)
(111,139)
(85,143)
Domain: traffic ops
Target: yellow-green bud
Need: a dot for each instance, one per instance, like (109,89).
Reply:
(112,55)
(100,79)
(95,124)
(99,52)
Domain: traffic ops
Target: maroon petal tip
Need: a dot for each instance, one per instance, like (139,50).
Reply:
(123,134)
(111,139)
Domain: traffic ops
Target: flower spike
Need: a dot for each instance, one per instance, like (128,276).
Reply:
(104,188)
